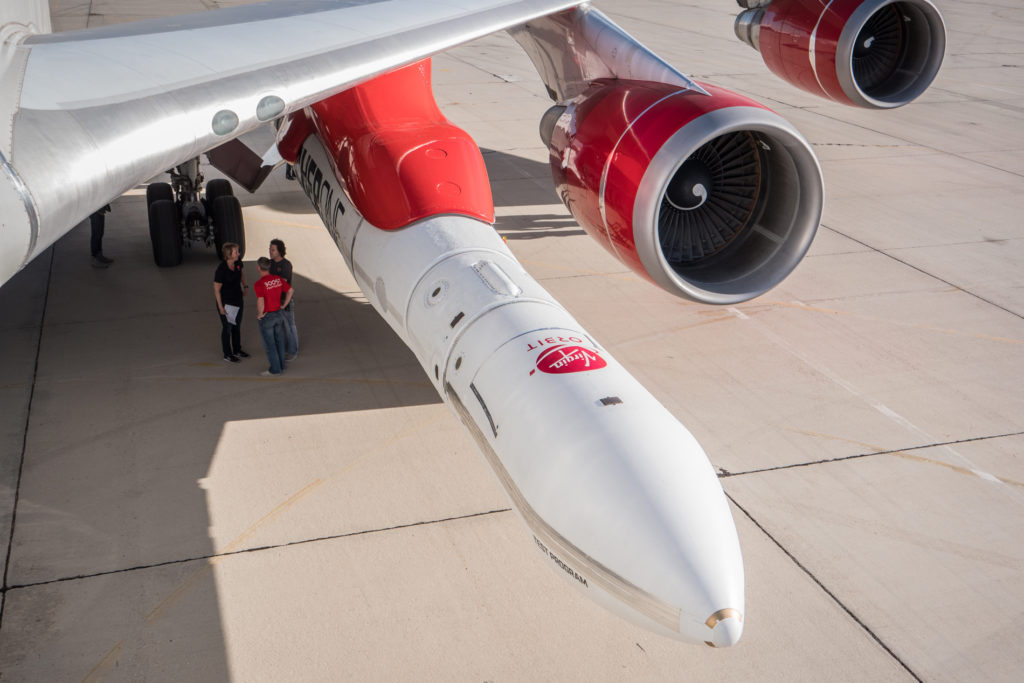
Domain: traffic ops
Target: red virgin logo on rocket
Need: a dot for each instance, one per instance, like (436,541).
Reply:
(569,358)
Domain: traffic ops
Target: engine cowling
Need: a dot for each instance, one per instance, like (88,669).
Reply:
(867,53)
(714,198)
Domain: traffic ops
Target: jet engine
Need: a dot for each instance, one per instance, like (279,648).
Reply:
(712,196)
(867,53)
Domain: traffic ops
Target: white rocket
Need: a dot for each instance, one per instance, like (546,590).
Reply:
(618,496)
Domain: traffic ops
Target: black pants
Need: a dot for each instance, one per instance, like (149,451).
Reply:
(96,242)
(230,335)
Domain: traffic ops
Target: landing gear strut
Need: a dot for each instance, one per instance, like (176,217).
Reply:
(179,214)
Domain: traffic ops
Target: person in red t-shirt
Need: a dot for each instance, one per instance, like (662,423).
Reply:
(279,265)
(269,302)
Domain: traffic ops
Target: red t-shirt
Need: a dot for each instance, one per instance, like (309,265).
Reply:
(272,288)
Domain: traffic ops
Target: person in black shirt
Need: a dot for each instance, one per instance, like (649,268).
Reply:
(228,289)
(282,267)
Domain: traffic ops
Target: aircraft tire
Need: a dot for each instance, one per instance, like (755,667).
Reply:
(164,233)
(218,187)
(226,213)
(157,191)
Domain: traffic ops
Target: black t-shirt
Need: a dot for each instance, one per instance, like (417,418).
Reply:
(230,283)
(282,268)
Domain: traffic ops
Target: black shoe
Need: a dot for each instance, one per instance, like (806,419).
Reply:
(231,359)
(103,259)
(97,263)
(241,354)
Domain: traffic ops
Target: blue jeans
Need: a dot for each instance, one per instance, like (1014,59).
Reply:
(272,331)
(291,342)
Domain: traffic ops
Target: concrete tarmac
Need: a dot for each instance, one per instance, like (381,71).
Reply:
(166,516)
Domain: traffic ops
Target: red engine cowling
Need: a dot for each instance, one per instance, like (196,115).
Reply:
(716,199)
(867,53)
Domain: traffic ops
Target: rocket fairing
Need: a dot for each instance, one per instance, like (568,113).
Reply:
(619,498)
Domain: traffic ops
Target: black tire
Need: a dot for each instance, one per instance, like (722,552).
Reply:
(218,187)
(165,233)
(158,191)
(226,214)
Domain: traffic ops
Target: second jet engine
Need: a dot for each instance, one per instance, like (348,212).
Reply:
(867,53)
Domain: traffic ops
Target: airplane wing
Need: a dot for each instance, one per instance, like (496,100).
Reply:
(99,110)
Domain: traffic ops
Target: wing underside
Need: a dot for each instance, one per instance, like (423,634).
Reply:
(100,109)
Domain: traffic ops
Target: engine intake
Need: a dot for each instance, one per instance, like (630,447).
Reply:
(714,198)
(867,53)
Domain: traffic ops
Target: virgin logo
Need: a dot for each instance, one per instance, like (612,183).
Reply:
(569,358)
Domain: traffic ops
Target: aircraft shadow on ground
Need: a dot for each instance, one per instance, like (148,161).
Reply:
(131,401)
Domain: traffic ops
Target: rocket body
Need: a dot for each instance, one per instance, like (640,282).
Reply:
(618,496)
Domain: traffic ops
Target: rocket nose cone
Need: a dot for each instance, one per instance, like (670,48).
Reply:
(726,628)
(727,633)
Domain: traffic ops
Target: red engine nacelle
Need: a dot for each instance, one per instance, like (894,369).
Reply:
(715,199)
(868,53)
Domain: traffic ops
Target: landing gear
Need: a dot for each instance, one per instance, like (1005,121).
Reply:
(157,191)
(218,187)
(164,233)
(179,215)
(227,217)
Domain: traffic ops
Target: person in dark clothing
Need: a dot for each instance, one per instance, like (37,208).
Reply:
(228,290)
(282,267)
(97,222)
